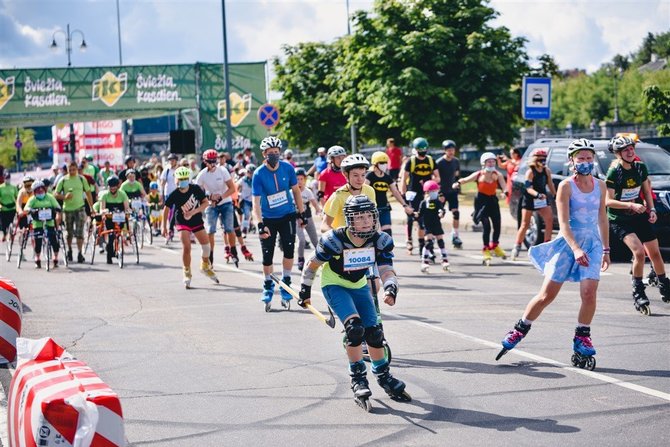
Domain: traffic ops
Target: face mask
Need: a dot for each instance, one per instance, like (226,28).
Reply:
(432,195)
(584,168)
(335,168)
(490,168)
(422,153)
(384,167)
(272,159)
(183,184)
(40,196)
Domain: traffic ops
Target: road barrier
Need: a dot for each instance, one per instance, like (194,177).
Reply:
(10,320)
(56,400)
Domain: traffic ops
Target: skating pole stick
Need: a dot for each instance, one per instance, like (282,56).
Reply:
(329,321)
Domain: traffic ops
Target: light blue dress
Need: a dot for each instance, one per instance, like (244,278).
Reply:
(555,258)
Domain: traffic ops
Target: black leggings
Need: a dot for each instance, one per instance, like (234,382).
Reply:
(285,227)
(6,219)
(51,234)
(411,219)
(488,211)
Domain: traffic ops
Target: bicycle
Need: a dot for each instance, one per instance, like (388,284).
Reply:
(43,215)
(119,231)
(10,236)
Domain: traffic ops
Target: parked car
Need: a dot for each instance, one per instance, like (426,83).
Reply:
(658,164)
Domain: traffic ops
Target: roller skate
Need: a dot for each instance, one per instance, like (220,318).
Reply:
(498,251)
(651,279)
(445,264)
(228,255)
(394,388)
(233,256)
(206,269)
(301,263)
(360,386)
(513,338)
(409,246)
(515,252)
(486,256)
(187,278)
(664,287)
(432,257)
(456,242)
(584,351)
(641,301)
(246,253)
(268,291)
(425,265)
(285,296)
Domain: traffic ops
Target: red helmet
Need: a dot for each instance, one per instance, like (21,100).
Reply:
(430,185)
(210,155)
(540,152)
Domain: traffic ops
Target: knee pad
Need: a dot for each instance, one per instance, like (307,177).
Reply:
(429,245)
(456,214)
(440,243)
(374,336)
(355,331)
(238,232)
(206,250)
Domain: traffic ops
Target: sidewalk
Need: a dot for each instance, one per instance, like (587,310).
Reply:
(508,224)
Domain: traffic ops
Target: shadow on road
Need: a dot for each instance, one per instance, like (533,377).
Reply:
(531,369)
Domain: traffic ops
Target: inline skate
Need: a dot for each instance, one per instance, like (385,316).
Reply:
(583,349)
(394,388)
(360,386)
(268,291)
(641,301)
(513,337)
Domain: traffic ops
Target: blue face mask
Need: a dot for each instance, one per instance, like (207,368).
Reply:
(432,195)
(40,196)
(584,168)
(184,184)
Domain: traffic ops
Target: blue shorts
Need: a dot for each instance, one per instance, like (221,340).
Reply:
(347,302)
(384,216)
(223,213)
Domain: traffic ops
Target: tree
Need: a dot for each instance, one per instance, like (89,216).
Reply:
(643,55)
(548,67)
(658,104)
(431,68)
(8,150)
(310,115)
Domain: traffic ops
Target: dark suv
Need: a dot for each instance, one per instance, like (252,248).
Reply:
(658,164)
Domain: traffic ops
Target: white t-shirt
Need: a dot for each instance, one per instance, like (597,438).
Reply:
(214,182)
(167,176)
(245,189)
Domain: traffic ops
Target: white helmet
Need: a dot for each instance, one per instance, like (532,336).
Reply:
(578,145)
(336,151)
(269,142)
(288,153)
(354,161)
(486,156)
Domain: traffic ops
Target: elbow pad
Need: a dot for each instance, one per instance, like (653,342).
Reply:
(528,184)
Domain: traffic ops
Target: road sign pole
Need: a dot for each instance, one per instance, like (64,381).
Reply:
(18,144)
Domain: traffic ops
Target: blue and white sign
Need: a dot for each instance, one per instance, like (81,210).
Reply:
(536,98)
(268,115)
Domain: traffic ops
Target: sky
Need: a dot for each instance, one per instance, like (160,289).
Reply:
(577,33)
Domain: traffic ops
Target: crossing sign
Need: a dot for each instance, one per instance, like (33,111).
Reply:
(536,98)
(268,115)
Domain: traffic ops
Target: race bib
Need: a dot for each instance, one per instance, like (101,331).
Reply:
(628,194)
(136,204)
(539,203)
(278,199)
(44,214)
(119,217)
(358,258)
(410,196)
(155,214)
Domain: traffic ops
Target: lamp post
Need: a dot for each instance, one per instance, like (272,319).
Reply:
(229,130)
(68,49)
(615,72)
(353,124)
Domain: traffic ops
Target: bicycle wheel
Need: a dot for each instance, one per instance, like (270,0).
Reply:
(61,241)
(149,232)
(142,231)
(9,243)
(47,248)
(133,241)
(95,248)
(120,243)
(89,232)
(25,234)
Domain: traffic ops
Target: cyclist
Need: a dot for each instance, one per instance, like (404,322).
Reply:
(45,211)
(536,198)
(8,195)
(487,208)
(346,254)
(578,254)
(450,169)
(25,193)
(417,170)
(189,201)
(331,178)
(382,183)
(113,200)
(310,228)
(73,189)
(219,187)
(631,214)
(155,207)
(275,211)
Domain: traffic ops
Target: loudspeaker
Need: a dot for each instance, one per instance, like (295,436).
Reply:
(182,141)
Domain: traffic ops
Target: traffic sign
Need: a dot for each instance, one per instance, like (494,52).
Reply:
(268,115)
(536,98)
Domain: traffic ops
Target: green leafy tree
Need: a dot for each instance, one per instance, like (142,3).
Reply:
(29,149)
(548,67)
(310,114)
(662,45)
(432,68)
(658,104)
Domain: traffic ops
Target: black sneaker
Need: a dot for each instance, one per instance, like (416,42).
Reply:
(80,258)
(109,260)
(38,264)
(55,263)
(69,255)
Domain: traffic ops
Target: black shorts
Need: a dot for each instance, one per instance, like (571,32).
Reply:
(434,228)
(638,224)
(451,198)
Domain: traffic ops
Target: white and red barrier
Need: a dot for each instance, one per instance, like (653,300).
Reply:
(10,320)
(57,401)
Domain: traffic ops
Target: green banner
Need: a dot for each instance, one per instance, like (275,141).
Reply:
(36,97)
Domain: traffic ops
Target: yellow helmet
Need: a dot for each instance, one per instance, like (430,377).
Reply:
(379,157)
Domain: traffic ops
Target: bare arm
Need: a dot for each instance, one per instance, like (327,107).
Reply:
(436,176)
(257,209)
(468,179)
(297,195)
(603,224)
(396,193)
(403,182)
(550,182)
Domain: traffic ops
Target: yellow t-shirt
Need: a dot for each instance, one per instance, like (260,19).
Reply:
(334,207)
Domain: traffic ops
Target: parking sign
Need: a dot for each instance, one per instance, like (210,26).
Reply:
(536,98)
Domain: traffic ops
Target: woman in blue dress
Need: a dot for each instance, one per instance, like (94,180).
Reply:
(578,254)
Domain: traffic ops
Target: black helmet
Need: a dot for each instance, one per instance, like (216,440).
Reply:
(355,206)
(128,158)
(300,171)
(446,144)
(113,181)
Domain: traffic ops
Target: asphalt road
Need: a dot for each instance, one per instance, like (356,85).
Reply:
(208,367)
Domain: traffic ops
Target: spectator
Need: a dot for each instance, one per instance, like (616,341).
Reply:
(395,158)
(320,163)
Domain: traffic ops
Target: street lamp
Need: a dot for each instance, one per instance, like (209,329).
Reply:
(68,49)
(353,124)
(616,72)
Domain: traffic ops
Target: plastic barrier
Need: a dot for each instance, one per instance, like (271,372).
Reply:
(10,320)
(57,401)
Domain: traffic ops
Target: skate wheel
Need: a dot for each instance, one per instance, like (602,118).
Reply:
(591,363)
(645,310)
(286,304)
(574,360)
(364,403)
(267,306)
(666,299)
(402,397)
(502,352)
